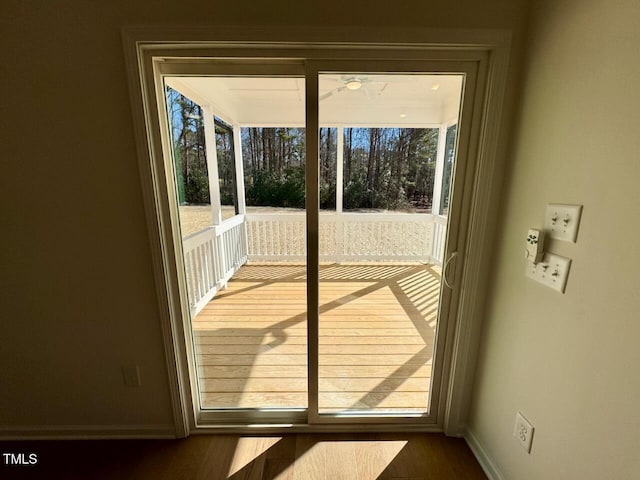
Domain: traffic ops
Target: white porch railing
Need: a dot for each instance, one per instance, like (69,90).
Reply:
(349,237)
(211,257)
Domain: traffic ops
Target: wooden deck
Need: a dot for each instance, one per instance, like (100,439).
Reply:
(377,329)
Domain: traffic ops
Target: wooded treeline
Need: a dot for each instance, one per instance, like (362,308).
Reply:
(384,168)
(187,131)
(274,166)
(389,168)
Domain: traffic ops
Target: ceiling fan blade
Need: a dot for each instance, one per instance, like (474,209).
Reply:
(372,94)
(331,93)
(367,93)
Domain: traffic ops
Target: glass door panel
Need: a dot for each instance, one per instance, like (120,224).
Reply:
(239,156)
(381,248)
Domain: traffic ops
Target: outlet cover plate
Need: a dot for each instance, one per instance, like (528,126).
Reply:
(131,376)
(552,271)
(562,221)
(523,431)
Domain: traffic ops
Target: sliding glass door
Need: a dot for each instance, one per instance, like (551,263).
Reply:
(318,203)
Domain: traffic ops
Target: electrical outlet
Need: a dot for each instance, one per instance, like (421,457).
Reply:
(562,221)
(131,376)
(523,431)
(552,271)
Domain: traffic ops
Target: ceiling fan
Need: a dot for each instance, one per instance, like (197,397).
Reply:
(353,83)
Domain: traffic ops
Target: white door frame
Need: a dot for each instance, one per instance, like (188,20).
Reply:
(145,48)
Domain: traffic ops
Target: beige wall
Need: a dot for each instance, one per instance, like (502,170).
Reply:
(570,362)
(78,299)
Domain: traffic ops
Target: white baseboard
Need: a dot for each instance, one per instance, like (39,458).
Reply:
(86,432)
(485,462)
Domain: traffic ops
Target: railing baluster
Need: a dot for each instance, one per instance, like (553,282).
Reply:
(189,276)
(198,270)
(194,264)
(286,239)
(203,264)
(254,239)
(277,239)
(207,261)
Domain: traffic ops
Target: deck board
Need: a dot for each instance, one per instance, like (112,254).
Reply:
(377,329)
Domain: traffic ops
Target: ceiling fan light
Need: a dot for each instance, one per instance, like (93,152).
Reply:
(353,84)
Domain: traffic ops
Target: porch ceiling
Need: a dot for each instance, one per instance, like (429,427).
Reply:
(384,100)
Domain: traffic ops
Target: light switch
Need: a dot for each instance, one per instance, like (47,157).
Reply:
(552,271)
(562,221)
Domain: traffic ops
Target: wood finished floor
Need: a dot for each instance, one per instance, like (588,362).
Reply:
(289,457)
(377,329)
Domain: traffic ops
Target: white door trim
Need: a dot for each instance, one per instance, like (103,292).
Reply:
(489,48)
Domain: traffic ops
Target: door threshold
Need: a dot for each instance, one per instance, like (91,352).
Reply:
(271,429)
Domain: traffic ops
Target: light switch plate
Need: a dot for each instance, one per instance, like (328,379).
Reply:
(552,271)
(562,221)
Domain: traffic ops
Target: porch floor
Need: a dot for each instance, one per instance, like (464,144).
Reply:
(377,331)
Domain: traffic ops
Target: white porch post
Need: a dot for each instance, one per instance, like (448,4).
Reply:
(240,191)
(214,186)
(212,165)
(339,194)
(437,183)
(339,170)
(237,149)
